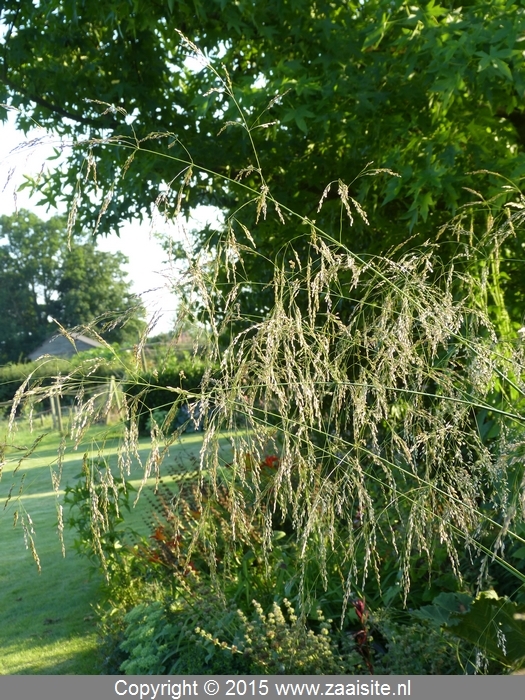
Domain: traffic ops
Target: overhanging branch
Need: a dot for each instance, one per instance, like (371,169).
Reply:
(56,109)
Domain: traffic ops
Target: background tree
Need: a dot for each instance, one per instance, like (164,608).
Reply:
(45,277)
(434,92)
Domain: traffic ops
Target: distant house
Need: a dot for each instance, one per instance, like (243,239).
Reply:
(60,346)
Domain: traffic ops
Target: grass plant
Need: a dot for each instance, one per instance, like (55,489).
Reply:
(389,389)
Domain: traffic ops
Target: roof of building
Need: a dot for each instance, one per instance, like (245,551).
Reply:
(60,346)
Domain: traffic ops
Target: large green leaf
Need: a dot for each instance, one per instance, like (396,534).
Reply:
(444,607)
(494,624)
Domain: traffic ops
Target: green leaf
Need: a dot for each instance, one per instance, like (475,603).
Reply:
(502,67)
(435,10)
(519,553)
(301,124)
(485,60)
(298,115)
(374,38)
(496,625)
(425,201)
(444,608)
(376,35)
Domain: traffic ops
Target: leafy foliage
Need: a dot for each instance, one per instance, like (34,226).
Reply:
(148,640)
(432,92)
(98,538)
(421,648)
(279,643)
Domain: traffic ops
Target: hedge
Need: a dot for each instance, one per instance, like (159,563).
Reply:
(150,387)
(44,372)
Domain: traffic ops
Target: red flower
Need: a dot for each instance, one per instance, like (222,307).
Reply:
(271,461)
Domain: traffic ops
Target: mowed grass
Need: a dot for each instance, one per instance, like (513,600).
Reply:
(47,618)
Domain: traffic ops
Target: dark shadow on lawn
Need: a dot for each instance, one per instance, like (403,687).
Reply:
(84,663)
(52,453)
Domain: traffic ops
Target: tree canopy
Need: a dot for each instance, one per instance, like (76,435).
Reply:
(433,92)
(46,278)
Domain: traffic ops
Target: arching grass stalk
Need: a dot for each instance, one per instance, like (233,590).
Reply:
(369,403)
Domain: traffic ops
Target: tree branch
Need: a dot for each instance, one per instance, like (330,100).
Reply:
(87,121)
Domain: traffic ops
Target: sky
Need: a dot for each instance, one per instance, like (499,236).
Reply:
(148,268)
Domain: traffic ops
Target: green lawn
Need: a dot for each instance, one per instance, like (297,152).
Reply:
(48,625)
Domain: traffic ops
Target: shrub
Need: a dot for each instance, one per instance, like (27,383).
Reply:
(206,635)
(161,638)
(148,640)
(154,395)
(281,643)
(412,647)
(12,376)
